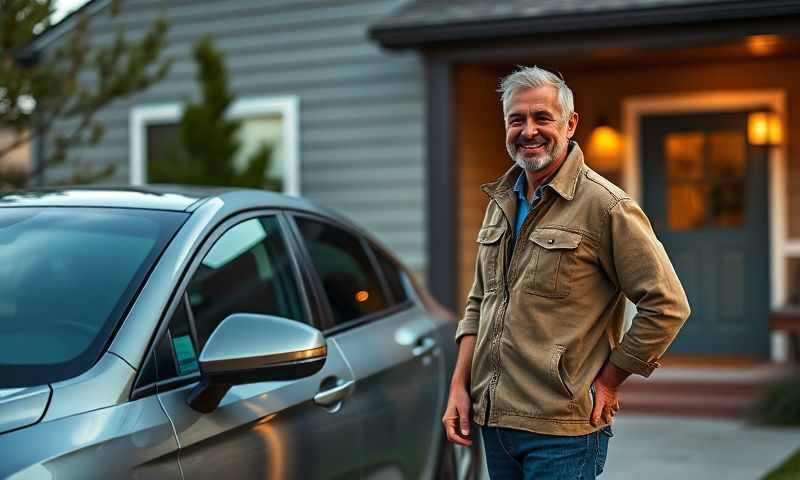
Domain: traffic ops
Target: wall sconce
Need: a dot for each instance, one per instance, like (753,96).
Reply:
(604,152)
(764,128)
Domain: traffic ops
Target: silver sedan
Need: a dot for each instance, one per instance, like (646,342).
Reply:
(187,334)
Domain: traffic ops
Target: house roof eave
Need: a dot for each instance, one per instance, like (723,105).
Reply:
(411,35)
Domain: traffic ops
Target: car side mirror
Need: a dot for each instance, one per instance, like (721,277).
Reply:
(250,348)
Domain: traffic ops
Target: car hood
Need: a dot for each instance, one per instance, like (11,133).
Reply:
(21,407)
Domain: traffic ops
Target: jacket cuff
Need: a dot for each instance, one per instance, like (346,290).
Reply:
(631,364)
(467,326)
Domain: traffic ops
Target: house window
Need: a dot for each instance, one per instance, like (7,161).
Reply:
(270,122)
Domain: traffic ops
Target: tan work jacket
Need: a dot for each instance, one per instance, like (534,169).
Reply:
(548,312)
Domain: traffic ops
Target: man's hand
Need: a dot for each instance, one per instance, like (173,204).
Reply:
(606,386)
(457,416)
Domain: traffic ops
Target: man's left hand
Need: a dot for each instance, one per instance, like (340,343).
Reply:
(606,386)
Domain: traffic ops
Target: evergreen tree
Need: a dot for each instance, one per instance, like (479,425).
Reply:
(208,143)
(73,82)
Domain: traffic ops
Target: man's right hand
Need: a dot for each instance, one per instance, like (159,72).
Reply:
(459,405)
(457,416)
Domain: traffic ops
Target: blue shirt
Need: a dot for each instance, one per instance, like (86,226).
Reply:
(523,207)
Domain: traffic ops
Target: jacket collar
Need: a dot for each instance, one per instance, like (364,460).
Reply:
(563,182)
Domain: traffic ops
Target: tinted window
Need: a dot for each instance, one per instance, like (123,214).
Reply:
(351,285)
(67,275)
(393,278)
(248,270)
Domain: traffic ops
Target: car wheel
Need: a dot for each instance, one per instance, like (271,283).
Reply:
(460,463)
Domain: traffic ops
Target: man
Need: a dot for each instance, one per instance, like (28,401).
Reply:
(540,359)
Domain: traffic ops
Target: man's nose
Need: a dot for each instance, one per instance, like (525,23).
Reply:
(530,130)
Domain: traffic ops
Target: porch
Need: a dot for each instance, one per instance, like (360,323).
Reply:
(665,98)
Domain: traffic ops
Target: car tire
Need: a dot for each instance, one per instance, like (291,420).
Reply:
(457,462)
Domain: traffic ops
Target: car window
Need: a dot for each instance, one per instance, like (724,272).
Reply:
(393,278)
(67,277)
(247,270)
(351,284)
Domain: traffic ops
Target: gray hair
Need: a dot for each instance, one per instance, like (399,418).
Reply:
(535,77)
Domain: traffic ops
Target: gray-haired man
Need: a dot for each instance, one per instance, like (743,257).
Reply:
(540,357)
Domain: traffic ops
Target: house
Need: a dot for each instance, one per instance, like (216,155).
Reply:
(345,118)
(388,112)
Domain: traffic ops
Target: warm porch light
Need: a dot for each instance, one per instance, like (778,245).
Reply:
(763,44)
(764,128)
(605,147)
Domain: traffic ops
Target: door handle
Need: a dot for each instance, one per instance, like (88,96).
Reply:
(424,346)
(330,397)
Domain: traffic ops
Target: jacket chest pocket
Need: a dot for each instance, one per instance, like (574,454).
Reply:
(489,240)
(553,260)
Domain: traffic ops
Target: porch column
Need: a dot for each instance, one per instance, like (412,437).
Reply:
(441,183)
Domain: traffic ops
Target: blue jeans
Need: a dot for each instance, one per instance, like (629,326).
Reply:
(519,455)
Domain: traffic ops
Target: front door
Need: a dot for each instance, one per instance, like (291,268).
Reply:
(705,191)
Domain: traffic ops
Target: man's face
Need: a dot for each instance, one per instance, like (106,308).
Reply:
(536,131)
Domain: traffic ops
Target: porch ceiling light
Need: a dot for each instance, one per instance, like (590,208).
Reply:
(764,128)
(604,152)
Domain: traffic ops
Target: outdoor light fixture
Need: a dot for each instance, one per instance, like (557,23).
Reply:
(604,151)
(764,128)
(763,44)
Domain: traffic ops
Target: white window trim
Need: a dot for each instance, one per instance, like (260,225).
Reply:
(143,115)
(781,247)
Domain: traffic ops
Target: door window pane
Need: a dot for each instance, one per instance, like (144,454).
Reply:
(684,156)
(727,155)
(393,278)
(705,179)
(351,284)
(248,270)
(687,206)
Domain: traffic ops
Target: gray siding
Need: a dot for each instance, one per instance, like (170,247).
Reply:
(361,109)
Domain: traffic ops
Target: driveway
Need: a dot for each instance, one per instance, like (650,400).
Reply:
(666,448)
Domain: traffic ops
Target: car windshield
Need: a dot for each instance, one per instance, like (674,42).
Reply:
(67,276)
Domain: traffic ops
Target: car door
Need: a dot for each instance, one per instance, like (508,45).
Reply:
(390,344)
(261,430)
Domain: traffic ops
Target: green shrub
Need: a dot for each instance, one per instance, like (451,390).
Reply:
(780,405)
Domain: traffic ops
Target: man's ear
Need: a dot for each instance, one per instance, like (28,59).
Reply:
(572,125)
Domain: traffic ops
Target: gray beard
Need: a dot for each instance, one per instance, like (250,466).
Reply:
(538,163)
(534,164)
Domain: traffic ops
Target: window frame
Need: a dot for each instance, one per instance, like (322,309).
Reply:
(304,256)
(179,295)
(142,116)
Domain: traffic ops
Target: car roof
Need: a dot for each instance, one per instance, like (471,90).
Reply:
(155,197)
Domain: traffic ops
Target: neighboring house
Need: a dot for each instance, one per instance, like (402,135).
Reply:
(387,111)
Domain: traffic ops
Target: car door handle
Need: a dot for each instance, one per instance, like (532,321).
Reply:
(333,395)
(424,346)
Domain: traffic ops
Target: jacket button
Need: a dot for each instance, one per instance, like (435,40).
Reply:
(551,241)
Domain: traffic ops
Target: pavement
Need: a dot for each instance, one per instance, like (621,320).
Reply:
(689,448)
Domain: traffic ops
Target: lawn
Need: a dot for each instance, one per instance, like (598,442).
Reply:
(789,470)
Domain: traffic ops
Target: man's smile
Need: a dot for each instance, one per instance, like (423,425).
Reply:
(533,147)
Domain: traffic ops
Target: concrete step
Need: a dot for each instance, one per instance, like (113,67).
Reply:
(699,392)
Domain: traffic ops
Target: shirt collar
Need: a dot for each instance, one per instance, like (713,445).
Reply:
(521,187)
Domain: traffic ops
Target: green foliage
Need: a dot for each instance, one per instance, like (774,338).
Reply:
(788,470)
(208,140)
(71,82)
(780,405)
